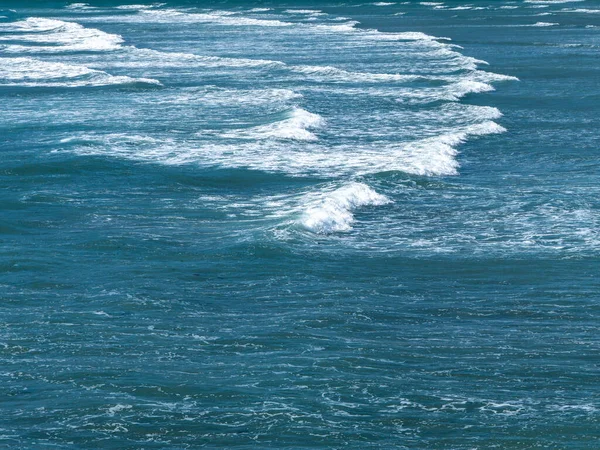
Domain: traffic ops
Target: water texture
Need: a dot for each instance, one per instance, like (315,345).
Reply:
(299,225)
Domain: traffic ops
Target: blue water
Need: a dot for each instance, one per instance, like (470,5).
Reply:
(300,225)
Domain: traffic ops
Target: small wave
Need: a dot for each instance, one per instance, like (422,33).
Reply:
(29,72)
(139,7)
(216,17)
(79,6)
(458,90)
(213,96)
(452,92)
(230,19)
(553,2)
(296,127)
(437,155)
(582,10)
(133,57)
(544,24)
(334,212)
(56,36)
(334,74)
(311,12)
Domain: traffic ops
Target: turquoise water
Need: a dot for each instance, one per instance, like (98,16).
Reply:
(299,225)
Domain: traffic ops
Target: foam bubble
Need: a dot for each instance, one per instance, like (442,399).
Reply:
(334,212)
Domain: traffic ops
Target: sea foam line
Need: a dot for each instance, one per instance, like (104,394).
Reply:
(62,36)
(30,72)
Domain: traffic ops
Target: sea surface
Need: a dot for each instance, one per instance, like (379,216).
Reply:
(302,224)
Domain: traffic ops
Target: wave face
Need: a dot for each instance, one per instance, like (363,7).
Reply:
(333,212)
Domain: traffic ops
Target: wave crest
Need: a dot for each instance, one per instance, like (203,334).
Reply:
(334,213)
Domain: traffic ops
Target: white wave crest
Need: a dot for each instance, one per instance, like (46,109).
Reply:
(582,10)
(138,7)
(213,96)
(79,6)
(553,2)
(55,36)
(133,57)
(461,88)
(437,155)
(434,156)
(334,74)
(334,213)
(215,17)
(296,127)
(30,72)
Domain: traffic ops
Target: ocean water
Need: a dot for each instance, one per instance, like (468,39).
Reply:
(311,224)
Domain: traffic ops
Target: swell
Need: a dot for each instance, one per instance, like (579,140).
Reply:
(397,114)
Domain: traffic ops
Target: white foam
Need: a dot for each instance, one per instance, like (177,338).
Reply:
(358,141)
(582,10)
(215,17)
(461,88)
(32,72)
(404,36)
(553,2)
(79,6)
(452,92)
(437,155)
(311,12)
(56,36)
(544,24)
(132,57)
(213,96)
(139,7)
(117,408)
(330,73)
(295,127)
(334,212)
(431,156)
(228,18)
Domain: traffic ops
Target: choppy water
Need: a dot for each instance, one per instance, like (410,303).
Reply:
(300,225)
